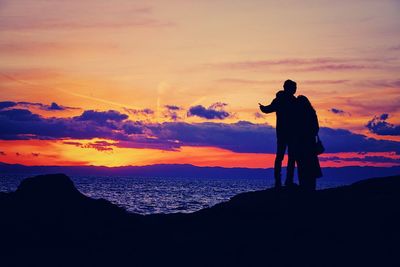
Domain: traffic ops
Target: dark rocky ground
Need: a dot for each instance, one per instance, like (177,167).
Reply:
(48,222)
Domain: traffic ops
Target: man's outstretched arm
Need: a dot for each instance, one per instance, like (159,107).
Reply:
(270,108)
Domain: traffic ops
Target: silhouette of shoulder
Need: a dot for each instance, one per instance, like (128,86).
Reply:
(280,96)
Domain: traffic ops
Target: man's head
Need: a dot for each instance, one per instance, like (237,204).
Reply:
(290,87)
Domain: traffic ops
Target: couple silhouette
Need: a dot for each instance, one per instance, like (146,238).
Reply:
(297,132)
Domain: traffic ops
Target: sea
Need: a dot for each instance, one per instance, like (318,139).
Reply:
(150,195)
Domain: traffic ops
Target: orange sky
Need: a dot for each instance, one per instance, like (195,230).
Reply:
(120,55)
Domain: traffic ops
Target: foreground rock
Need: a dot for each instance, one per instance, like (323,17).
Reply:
(47,221)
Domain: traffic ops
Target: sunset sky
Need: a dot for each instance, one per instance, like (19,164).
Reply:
(145,82)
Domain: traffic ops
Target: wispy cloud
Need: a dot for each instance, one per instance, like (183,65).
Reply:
(73,15)
(264,82)
(52,107)
(301,65)
(15,24)
(53,48)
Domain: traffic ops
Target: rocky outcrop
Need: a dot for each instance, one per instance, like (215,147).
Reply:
(355,225)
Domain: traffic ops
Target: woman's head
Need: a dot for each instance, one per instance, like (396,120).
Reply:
(304,104)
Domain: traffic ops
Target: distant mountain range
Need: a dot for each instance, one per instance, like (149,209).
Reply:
(190,171)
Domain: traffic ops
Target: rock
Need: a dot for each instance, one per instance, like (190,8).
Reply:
(356,225)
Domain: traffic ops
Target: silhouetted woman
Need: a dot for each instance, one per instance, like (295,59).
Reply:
(307,128)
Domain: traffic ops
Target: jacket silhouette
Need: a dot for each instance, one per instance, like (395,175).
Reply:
(284,106)
(307,128)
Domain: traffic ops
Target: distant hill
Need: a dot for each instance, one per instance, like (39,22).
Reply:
(190,171)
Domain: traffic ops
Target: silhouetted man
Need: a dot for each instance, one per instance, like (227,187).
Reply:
(284,106)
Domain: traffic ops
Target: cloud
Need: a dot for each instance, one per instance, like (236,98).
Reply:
(366,159)
(102,146)
(55,106)
(241,137)
(380,126)
(298,65)
(336,111)
(52,107)
(2,153)
(54,48)
(143,112)
(258,115)
(172,107)
(7,104)
(340,112)
(238,137)
(394,48)
(264,82)
(340,140)
(215,111)
(337,67)
(59,15)
(101,116)
(20,115)
(133,127)
(388,83)
(22,124)
(173,112)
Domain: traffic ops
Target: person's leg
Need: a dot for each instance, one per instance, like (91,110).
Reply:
(290,166)
(280,153)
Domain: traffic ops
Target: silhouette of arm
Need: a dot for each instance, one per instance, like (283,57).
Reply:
(270,108)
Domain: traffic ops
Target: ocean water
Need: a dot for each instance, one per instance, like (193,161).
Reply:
(146,195)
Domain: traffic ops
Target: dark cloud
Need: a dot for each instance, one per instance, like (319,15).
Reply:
(19,115)
(102,116)
(340,140)
(366,159)
(72,143)
(110,119)
(20,124)
(102,146)
(172,107)
(144,112)
(52,107)
(241,137)
(380,126)
(133,127)
(172,112)
(238,137)
(55,106)
(215,111)
(338,111)
(7,104)
(2,153)
(35,154)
